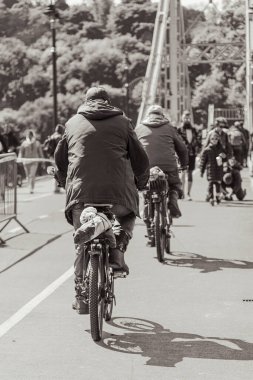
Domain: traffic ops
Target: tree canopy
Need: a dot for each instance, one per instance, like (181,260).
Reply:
(98,42)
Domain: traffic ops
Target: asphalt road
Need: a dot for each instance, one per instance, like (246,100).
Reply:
(187,319)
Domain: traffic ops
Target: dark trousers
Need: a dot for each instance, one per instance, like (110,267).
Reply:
(211,185)
(238,154)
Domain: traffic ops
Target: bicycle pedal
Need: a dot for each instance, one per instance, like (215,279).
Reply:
(119,274)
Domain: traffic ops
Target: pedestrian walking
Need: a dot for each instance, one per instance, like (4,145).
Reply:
(190,138)
(246,147)
(30,150)
(211,161)
(221,129)
(49,148)
(237,141)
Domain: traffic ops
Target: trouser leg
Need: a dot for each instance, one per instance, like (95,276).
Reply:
(123,230)
(175,191)
(210,190)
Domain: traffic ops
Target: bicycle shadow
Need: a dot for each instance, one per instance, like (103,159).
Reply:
(165,348)
(245,203)
(204,264)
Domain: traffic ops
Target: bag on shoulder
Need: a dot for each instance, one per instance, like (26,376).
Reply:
(235,138)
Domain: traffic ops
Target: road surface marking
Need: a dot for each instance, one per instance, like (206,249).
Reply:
(43,216)
(27,308)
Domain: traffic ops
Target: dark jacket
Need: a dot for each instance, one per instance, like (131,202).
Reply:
(160,141)
(100,158)
(208,162)
(223,139)
(194,146)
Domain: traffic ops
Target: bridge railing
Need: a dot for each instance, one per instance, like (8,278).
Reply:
(8,191)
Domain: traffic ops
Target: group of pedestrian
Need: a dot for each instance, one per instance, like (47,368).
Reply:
(223,157)
(30,151)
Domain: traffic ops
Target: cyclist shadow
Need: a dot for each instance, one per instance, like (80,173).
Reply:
(205,264)
(166,348)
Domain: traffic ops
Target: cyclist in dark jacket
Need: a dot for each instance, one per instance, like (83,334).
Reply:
(101,161)
(162,143)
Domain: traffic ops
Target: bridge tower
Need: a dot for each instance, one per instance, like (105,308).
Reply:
(167,79)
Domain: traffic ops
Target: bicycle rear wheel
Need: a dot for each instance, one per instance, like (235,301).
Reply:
(160,233)
(96,296)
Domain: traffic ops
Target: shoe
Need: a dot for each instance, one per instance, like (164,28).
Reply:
(218,200)
(150,243)
(208,197)
(117,261)
(80,306)
(189,198)
(173,205)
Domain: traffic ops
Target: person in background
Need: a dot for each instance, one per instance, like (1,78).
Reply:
(12,139)
(3,143)
(212,160)
(30,149)
(232,180)
(220,128)
(237,141)
(99,160)
(50,145)
(246,147)
(162,143)
(190,138)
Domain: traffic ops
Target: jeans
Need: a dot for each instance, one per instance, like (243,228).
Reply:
(124,223)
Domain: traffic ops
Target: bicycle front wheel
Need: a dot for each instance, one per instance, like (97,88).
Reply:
(160,233)
(96,296)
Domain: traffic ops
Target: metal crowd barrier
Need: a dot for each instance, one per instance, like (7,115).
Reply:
(8,191)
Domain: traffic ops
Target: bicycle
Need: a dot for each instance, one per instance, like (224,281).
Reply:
(158,218)
(97,288)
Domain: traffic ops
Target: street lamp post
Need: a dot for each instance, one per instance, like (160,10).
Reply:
(53,15)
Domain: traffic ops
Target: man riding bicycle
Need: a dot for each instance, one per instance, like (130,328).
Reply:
(101,161)
(162,143)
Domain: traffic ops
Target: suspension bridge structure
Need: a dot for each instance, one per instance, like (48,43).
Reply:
(167,76)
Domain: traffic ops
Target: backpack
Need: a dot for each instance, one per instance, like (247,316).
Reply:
(235,138)
(49,146)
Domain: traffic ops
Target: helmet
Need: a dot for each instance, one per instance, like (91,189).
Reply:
(227,178)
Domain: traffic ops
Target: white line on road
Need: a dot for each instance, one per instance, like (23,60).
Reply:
(27,308)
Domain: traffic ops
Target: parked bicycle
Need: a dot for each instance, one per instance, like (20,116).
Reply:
(97,287)
(158,219)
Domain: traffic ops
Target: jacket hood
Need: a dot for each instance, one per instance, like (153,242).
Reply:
(155,120)
(98,110)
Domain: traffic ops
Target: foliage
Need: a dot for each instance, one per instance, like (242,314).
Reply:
(97,43)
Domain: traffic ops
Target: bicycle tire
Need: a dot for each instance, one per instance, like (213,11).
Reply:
(168,234)
(109,303)
(96,296)
(159,232)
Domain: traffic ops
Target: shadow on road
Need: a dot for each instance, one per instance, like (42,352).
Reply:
(165,348)
(205,264)
(246,203)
